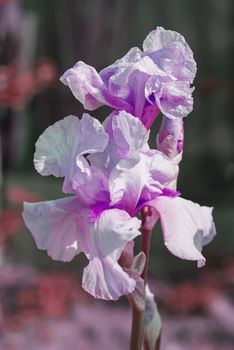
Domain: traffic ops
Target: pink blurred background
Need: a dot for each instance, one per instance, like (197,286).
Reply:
(42,305)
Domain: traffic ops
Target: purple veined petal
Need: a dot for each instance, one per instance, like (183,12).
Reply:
(137,98)
(161,174)
(174,98)
(149,115)
(94,189)
(60,149)
(53,226)
(144,65)
(186,227)
(170,61)
(130,83)
(132,56)
(127,79)
(129,134)
(161,38)
(126,185)
(85,84)
(89,88)
(127,138)
(106,280)
(109,234)
(103,243)
(142,182)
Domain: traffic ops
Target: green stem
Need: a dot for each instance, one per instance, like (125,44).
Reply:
(137,328)
(138,315)
(145,248)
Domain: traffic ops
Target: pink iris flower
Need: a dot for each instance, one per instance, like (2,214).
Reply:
(110,174)
(142,83)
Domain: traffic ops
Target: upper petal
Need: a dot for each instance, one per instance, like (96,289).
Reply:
(89,88)
(60,148)
(85,84)
(133,55)
(144,65)
(126,185)
(161,39)
(186,227)
(54,227)
(140,182)
(127,138)
(129,134)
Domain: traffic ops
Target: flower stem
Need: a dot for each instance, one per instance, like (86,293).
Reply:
(146,239)
(138,315)
(137,328)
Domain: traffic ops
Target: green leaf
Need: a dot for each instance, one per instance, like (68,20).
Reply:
(152,323)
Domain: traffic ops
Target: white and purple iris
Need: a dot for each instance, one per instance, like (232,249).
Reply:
(110,174)
(142,83)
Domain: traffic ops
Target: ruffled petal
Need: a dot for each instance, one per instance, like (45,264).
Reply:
(103,243)
(106,280)
(129,83)
(60,148)
(145,65)
(53,226)
(89,88)
(130,135)
(141,182)
(173,98)
(127,138)
(132,56)
(85,84)
(110,233)
(160,39)
(126,185)
(186,227)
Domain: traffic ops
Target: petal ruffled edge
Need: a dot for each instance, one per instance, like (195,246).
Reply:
(85,84)
(186,227)
(106,280)
(161,38)
(103,243)
(53,226)
(89,88)
(60,149)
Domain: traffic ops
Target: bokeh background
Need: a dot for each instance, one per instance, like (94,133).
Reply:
(42,303)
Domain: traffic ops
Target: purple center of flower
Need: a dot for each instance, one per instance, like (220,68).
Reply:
(96,210)
(168,192)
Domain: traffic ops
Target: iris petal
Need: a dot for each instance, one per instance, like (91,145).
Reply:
(186,227)
(60,149)
(54,227)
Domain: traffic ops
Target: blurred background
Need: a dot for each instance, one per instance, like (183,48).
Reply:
(42,303)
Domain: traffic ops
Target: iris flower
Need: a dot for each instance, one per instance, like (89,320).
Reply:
(142,83)
(110,174)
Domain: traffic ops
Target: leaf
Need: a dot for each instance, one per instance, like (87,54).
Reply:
(137,297)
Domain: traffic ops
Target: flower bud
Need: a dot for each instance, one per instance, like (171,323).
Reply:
(170,139)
